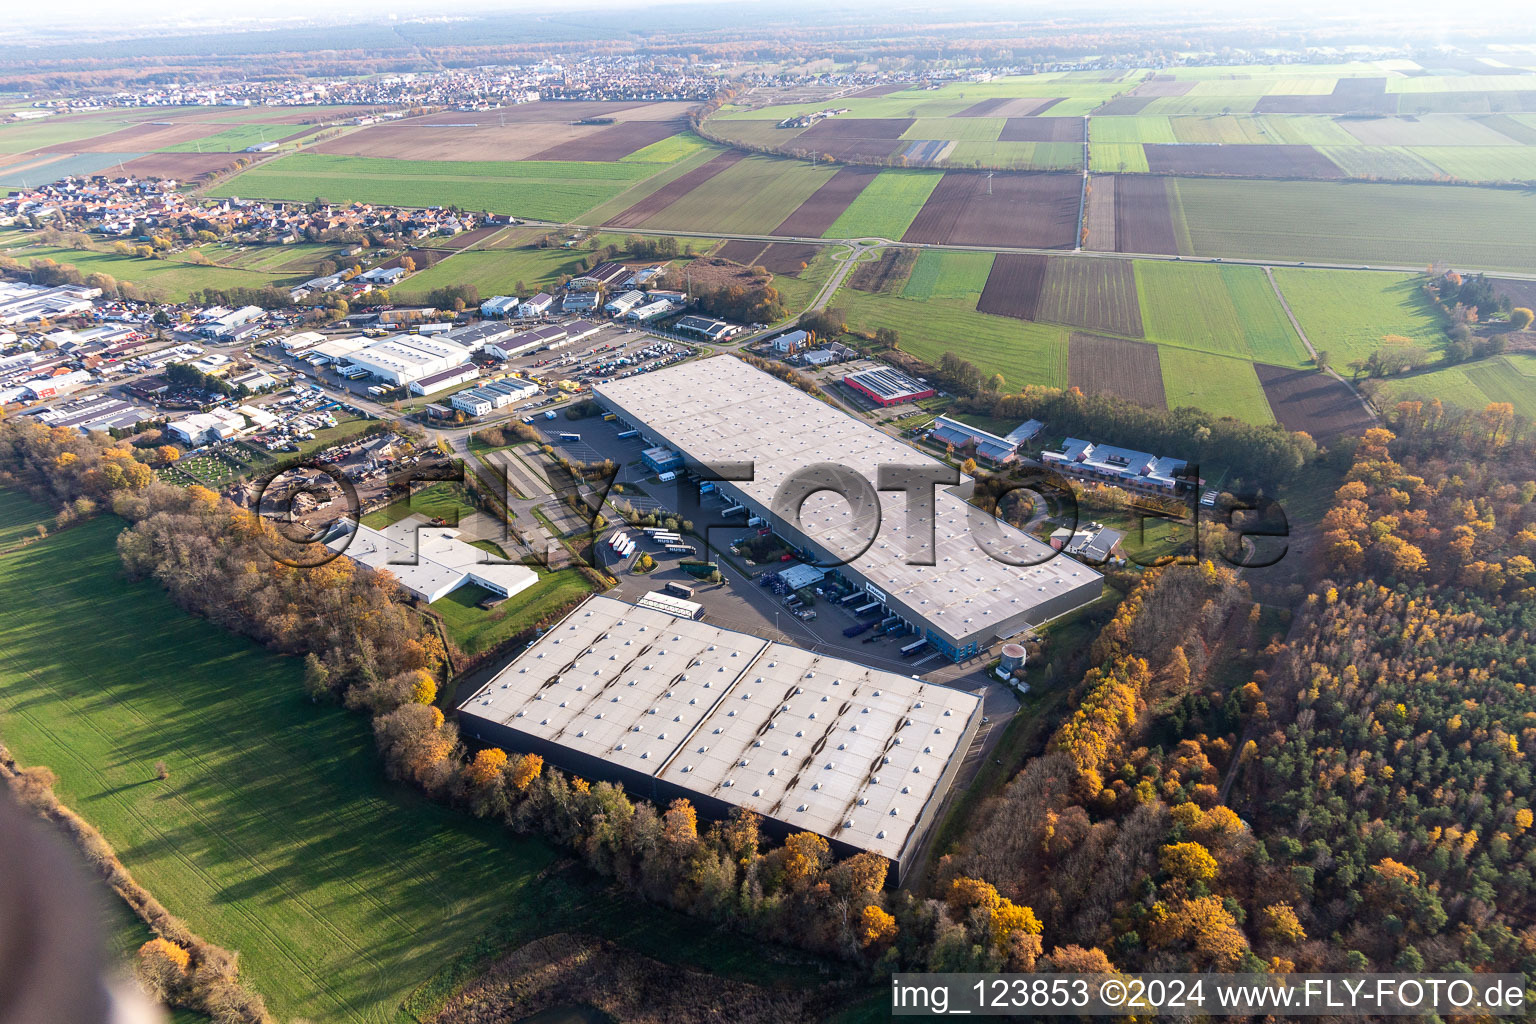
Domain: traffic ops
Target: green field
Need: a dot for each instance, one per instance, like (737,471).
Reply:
(174,279)
(887,205)
(1118,157)
(1380,162)
(1216,384)
(1229,311)
(496,271)
(1482,163)
(751,197)
(798,291)
(948,275)
(531,188)
(446,500)
(973,129)
(276,834)
(1508,378)
(1023,352)
(623,200)
(1131,129)
(235,138)
(474,629)
(1346,313)
(20,517)
(670,150)
(1023,156)
(1385,225)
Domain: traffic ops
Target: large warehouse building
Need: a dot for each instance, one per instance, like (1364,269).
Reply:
(672,707)
(408,358)
(988,580)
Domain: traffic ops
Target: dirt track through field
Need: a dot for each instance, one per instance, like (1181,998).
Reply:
(1130,370)
(672,191)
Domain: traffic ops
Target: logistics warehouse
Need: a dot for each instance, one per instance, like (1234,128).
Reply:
(671,707)
(988,580)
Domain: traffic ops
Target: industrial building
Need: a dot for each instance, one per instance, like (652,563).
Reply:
(536,306)
(885,386)
(999,450)
(497,394)
(500,305)
(428,561)
(442,380)
(1123,467)
(624,303)
(204,427)
(402,360)
(987,581)
(672,707)
(706,327)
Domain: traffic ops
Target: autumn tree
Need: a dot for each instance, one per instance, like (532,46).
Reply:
(162,969)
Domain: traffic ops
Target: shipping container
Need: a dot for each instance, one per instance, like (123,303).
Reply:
(865,609)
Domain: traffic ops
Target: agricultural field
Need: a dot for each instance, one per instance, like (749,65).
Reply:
(1482,163)
(20,517)
(1216,384)
(275,833)
(817,214)
(233,139)
(1096,295)
(1023,352)
(1351,222)
(1313,401)
(1023,210)
(887,205)
(949,275)
(1143,216)
(543,189)
(1118,158)
(664,184)
(752,196)
(1230,311)
(1507,378)
(1113,366)
(169,278)
(1346,314)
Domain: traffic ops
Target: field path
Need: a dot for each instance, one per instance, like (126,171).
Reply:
(1269,272)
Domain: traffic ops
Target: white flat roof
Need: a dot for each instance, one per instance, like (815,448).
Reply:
(722,410)
(818,743)
(429,561)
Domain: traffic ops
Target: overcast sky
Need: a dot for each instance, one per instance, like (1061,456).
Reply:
(158,17)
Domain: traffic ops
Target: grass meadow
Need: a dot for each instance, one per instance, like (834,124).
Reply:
(1217,384)
(1228,311)
(1346,313)
(531,188)
(276,833)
